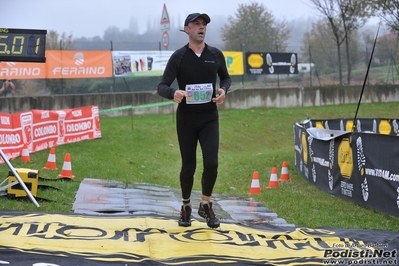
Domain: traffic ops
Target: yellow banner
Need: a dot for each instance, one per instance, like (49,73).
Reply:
(234,62)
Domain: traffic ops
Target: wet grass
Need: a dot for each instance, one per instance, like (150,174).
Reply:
(145,149)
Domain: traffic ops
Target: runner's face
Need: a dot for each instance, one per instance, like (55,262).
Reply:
(197,30)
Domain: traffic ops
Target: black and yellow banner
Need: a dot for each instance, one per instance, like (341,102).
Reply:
(265,63)
(359,166)
(62,239)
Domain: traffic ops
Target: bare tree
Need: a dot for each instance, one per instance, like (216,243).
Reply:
(388,11)
(345,17)
(329,9)
(54,41)
(318,45)
(353,14)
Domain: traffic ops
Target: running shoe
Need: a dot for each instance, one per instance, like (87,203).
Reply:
(185,216)
(206,211)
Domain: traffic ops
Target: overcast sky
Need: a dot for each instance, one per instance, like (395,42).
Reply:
(89,18)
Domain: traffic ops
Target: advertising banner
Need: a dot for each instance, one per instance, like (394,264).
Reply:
(263,63)
(153,63)
(140,63)
(78,64)
(102,64)
(43,129)
(21,70)
(235,63)
(357,166)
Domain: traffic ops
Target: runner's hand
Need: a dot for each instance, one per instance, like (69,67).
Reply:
(179,95)
(221,97)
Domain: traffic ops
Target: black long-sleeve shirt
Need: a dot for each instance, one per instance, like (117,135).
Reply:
(188,68)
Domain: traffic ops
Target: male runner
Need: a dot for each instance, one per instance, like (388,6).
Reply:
(196,67)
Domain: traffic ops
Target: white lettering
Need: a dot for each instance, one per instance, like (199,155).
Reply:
(23,71)
(43,131)
(45,114)
(346,189)
(41,146)
(78,127)
(5,120)
(321,161)
(77,113)
(10,138)
(385,174)
(67,71)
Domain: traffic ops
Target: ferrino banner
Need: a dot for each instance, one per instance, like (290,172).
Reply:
(76,64)
(43,129)
(61,64)
(102,64)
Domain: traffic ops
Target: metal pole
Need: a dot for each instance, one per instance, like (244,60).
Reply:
(365,79)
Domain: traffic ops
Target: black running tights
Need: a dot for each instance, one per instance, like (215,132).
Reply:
(193,128)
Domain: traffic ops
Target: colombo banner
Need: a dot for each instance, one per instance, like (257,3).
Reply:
(42,129)
(359,166)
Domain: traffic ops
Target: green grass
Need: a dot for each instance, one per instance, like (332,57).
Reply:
(145,149)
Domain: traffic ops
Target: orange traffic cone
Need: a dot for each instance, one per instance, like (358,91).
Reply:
(255,188)
(51,161)
(25,154)
(273,179)
(284,173)
(66,168)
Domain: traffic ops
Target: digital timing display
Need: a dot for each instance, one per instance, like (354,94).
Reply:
(22,45)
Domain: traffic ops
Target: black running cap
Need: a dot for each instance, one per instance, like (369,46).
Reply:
(194,16)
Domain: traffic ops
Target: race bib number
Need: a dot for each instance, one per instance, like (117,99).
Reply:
(199,93)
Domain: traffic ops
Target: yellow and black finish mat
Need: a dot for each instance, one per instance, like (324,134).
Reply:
(75,239)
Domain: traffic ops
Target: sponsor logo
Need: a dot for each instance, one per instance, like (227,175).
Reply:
(75,127)
(255,60)
(80,69)
(13,70)
(304,148)
(46,130)
(345,158)
(385,127)
(361,159)
(321,161)
(349,126)
(385,174)
(10,139)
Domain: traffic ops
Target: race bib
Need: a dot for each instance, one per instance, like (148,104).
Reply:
(199,93)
